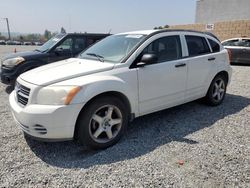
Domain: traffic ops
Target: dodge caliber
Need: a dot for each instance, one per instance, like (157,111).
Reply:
(93,97)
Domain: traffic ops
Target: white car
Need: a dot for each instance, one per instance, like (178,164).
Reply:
(239,49)
(94,96)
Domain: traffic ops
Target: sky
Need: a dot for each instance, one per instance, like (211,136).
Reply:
(101,16)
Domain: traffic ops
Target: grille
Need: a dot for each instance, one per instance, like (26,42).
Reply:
(22,94)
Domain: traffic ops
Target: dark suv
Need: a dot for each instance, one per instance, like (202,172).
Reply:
(60,47)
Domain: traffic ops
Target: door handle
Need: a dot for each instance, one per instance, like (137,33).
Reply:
(180,65)
(211,59)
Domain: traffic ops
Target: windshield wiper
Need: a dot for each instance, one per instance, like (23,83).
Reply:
(37,50)
(99,57)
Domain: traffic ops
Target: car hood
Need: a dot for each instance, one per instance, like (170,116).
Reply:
(26,55)
(64,70)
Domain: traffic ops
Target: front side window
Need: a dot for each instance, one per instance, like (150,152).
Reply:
(214,45)
(66,45)
(197,45)
(166,48)
(113,48)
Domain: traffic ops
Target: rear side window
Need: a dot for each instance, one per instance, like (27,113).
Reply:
(79,45)
(214,45)
(93,40)
(197,45)
(233,42)
(245,43)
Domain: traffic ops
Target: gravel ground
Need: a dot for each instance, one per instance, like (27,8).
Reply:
(192,145)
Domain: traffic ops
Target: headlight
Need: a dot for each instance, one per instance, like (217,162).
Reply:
(57,95)
(13,62)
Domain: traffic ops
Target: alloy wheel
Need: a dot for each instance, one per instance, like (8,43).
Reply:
(219,89)
(105,123)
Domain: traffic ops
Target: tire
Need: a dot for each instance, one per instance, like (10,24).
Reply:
(102,123)
(217,91)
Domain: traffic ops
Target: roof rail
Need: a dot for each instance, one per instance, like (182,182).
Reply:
(187,30)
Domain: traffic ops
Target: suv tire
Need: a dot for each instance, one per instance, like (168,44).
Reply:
(217,91)
(102,123)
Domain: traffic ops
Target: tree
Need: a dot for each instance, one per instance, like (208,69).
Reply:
(21,38)
(160,27)
(63,30)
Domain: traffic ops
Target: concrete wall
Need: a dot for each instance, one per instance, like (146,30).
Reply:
(223,30)
(210,11)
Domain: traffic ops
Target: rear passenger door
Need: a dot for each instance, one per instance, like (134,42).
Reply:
(200,64)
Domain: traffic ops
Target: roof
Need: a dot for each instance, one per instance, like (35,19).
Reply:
(142,32)
(95,34)
(239,38)
(153,32)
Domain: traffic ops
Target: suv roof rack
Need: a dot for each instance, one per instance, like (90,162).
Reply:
(187,30)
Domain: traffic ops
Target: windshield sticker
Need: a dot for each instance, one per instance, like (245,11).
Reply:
(134,36)
(55,39)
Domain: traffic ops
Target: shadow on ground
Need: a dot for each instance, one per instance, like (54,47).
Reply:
(143,135)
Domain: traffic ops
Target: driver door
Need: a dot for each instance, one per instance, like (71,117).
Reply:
(162,84)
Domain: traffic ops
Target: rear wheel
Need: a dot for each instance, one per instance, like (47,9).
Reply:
(102,123)
(217,91)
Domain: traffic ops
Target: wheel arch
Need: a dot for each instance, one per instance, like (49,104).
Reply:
(116,94)
(223,73)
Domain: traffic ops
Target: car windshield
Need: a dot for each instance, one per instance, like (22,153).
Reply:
(50,43)
(113,48)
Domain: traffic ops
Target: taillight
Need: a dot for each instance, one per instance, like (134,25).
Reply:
(229,55)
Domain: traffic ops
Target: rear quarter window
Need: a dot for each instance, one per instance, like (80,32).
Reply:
(214,45)
(197,45)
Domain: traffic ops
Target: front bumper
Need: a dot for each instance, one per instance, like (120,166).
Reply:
(46,122)
(8,76)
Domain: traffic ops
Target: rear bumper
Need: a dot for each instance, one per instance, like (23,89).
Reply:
(230,72)
(46,122)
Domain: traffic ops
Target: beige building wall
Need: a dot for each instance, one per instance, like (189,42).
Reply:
(223,30)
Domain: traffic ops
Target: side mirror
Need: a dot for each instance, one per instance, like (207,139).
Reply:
(147,59)
(58,51)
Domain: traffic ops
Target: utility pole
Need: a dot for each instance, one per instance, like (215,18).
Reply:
(7,21)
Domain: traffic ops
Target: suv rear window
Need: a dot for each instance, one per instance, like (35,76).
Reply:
(197,45)
(214,45)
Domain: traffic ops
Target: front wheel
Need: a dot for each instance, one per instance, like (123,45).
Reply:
(217,91)
(102,123)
